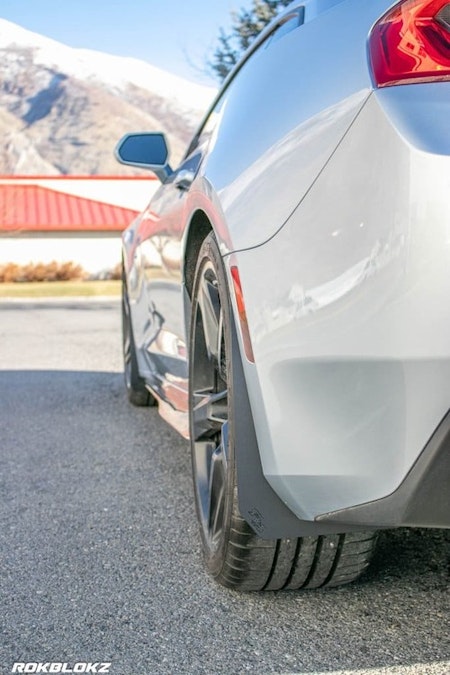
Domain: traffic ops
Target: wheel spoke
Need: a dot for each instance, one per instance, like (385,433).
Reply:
(126,333)
(217,482)
(221,354)
(216,486)
(210,411)
(204,451)
(126,347)
(209,304)
(126,340)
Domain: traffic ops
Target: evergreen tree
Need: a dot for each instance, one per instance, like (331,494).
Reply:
(225,56)
(246,26)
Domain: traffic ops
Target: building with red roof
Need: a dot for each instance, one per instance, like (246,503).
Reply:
(69,219)
(33,208)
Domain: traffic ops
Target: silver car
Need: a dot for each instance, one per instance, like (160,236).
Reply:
(285,293)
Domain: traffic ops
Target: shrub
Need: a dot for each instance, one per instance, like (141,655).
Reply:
(9,272)
(53,271)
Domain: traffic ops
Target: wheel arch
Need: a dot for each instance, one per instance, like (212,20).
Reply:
(199,228)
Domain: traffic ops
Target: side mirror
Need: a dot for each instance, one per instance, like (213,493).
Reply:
(145,151)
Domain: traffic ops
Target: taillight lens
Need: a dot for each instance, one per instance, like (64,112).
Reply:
(411,43)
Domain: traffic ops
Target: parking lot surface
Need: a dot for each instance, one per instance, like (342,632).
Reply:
(100,556)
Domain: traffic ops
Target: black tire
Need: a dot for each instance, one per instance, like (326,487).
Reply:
(234,555)
(137,392)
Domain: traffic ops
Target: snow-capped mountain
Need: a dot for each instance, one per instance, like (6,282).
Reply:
(62,109)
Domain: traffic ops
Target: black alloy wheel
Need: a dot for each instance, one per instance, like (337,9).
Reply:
(209,408)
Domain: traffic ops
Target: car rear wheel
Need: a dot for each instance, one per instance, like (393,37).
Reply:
(137,392)
(235,556)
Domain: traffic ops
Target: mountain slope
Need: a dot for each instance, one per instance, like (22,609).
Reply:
(63,109)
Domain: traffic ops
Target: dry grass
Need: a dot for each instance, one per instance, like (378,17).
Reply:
(50,289)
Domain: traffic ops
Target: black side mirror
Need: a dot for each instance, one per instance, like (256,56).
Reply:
(145,151)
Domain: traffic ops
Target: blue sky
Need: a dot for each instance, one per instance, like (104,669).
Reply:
(175,35)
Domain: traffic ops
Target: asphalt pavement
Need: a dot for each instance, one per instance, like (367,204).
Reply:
(100,555)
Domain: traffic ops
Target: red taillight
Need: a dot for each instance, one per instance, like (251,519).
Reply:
(411,43)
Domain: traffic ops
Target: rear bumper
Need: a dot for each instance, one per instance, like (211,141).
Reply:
(351,334)
(422,500)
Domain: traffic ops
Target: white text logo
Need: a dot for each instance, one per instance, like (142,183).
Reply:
(57,667)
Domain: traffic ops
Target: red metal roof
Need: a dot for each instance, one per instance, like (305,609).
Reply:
(74,176)
(39,209)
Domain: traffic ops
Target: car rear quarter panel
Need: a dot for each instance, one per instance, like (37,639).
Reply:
(284,115)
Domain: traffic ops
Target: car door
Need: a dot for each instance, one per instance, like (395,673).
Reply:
(158,307)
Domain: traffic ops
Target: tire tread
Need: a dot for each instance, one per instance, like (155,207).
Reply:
(326,561)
